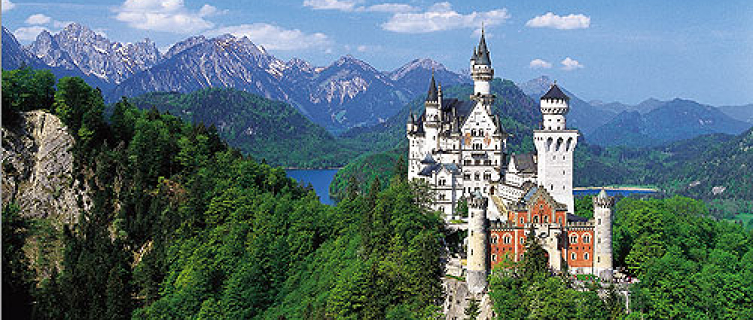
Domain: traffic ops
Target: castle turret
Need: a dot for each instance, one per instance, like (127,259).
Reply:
(603,235)
(433,116)
(555,145)
(482,72)
(477,263)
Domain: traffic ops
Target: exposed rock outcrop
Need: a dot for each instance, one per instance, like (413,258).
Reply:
(38,168)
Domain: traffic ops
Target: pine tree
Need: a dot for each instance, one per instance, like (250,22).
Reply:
(472,310)
(535,261)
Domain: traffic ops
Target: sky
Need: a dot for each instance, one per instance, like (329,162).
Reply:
(624,51)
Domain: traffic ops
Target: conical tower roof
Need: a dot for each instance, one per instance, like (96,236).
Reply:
(482,53)
(555,93)
(432,95)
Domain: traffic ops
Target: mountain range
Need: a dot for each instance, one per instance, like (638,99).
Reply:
(347,93)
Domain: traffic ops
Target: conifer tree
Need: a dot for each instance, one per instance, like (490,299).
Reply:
(535,258)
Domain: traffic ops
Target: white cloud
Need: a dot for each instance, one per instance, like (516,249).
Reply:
(342,5)
(29,33)
(362,48)
(540,64)
(38,19)
(165,15)
(8,5)
(570,64)
(389,7)
(60,24)
(276,38)
(440,17)
(551,20)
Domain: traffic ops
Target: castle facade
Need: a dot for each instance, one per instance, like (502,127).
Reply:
(459,148)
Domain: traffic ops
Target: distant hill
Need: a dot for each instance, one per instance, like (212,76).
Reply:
(582,115)
(742,113)
(672,121)
(618,107)
(259,127)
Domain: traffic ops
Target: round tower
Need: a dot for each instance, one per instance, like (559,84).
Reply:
(477,244)
(603,235)
(555,145)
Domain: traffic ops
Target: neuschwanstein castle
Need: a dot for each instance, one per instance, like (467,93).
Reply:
(459,149)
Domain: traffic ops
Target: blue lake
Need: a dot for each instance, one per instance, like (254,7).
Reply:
(321,178)
(611,192)
(318,178)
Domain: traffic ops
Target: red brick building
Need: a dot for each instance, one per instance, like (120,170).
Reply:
(565,237)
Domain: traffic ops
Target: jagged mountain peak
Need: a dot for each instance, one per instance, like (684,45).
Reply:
(536,86)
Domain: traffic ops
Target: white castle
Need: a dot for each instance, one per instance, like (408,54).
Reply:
(459,148)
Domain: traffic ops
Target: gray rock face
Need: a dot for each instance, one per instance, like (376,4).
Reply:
(37,169)
(95,55)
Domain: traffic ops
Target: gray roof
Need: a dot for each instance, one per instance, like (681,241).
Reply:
(433,94)
(525,163)
(436,167)
(450,107)
(555,93)
(574,218)
(428,159)
(481,54)
(602,194)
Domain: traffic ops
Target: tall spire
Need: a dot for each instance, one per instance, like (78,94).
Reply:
(433,95)
(482,55)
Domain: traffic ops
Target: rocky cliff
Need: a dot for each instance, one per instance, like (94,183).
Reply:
(37,175)
(37,168)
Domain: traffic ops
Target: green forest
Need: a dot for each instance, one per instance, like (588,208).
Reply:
(185,227)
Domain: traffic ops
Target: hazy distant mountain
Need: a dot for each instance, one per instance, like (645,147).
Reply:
(742,113)
(582,115)
(93,54)
(618,107)
(672,121)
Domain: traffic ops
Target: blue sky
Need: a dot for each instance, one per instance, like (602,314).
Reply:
(608,50)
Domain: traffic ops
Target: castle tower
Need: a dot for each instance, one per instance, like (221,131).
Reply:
(433,116)
(555,145)
(477,265)
(482,72)
(603,235)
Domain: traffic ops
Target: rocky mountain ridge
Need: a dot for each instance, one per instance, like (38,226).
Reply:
(347,93)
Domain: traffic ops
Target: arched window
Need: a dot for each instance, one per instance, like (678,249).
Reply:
(586,239)
(569,143)
(507,239)
(559,144)
(573,238)
(549,144)
(535,219)
(585,256)
(573,256)
(546,219)
(494,257)
(522,220)
(522,240)
(494,239)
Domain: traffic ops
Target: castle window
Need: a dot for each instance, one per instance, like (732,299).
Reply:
(598,259)
(522,221)
(573,256)
(507,239)
(494,257)
(599,221)
(573,238)
(477,176)
(494,239)
(546,219)
(522,240)
(585,256)
(586,239)
(521,257)
(536,219)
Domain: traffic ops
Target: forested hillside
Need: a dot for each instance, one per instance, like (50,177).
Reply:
(267,130)
(182,226)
